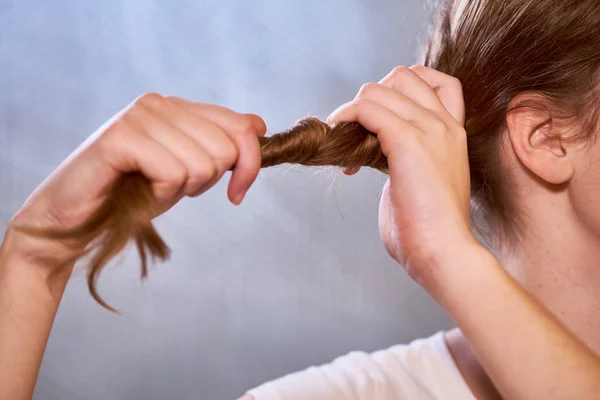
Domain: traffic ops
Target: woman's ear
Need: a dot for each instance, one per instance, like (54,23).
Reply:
(536,141)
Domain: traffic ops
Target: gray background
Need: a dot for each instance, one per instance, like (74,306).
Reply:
(296,275)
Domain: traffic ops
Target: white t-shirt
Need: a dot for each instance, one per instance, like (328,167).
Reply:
(421,370)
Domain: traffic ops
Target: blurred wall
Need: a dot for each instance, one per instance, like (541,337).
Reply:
(293,277)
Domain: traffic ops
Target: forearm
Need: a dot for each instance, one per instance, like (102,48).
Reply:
(29,297)
(525,350)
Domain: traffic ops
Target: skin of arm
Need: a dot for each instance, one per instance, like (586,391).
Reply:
(525,350)
(30,293)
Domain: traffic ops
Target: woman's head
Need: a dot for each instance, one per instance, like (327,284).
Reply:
(529,71)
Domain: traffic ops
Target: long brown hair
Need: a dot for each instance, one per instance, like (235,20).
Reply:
(498,49)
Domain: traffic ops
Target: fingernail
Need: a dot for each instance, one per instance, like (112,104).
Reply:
(238,199)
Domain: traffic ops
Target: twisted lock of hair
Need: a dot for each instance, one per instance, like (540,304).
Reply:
(126,214)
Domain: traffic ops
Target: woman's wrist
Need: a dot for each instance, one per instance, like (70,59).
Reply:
(37,257)
(439,272)
(465,278)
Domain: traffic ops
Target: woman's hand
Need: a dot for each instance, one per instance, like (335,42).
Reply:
(417,114)
(182,148)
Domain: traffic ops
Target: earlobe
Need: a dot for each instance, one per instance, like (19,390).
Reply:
(538,147)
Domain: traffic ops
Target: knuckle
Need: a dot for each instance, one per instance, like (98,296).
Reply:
(175,177)
(135,120)
(172,98)
(136,114)
(459,131)
(117,131)
(418,68)
(400,70)
(193,185)
(150,99)
(227,156)
(435,125)
(367,88)
(231,154)
(439,126)
(360,103)
(456,82)
(243,125)
(178,175)
(206,172)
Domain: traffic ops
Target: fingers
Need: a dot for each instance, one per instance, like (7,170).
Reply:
(407,102)
(399,104)
(243,129)
(207,149)
(187,146)
(201,168)
(431,89)
(125,149)
(392,131)
(248,164)
(221,116)
(448,89)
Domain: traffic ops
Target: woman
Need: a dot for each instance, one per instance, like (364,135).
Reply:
(529,330)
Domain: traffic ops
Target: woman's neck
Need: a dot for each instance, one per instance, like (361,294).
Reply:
(561,268)
(557,260)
